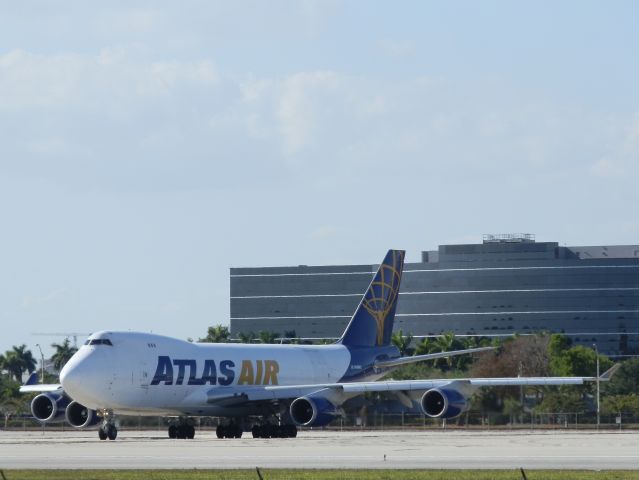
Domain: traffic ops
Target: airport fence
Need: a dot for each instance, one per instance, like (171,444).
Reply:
(390,421)
(488,421)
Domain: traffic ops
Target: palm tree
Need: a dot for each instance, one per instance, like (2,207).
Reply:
(292,337)
(8,389)
(246,337)
(425,346)
(216,334)
(267,337)
(445,343)
(63,352)
(402,342)
(18,360)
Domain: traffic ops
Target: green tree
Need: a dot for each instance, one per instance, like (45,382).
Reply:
(216,334)
(425,346)
(618,404)
(244,337)
(266,336)
(562,400)
(9,389)
(18,360)
(625,381)
(445,343)
(513,408)
(578,361)
(63,353)
(292,337)
(558,344)
(402,342)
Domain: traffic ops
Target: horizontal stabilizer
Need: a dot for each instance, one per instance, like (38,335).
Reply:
(430,356)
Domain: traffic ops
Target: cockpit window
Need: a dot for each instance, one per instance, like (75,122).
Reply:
(100,341)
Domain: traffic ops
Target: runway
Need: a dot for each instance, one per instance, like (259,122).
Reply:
(322,449)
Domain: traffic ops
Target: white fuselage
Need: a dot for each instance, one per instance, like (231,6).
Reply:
(140,373)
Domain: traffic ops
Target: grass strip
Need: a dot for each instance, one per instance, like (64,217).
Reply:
(290,474)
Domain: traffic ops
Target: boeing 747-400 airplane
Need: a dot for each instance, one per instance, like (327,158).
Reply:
(274,387)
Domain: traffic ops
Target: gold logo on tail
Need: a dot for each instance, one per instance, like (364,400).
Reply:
(382,294)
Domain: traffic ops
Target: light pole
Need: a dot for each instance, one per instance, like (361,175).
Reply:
(598,409)
(42,363)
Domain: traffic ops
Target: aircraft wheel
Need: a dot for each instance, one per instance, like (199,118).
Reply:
(256,431)
(237,431)
(190,432)
(112,432)
(172,431)
(292,431)
(102,434)
(219,431)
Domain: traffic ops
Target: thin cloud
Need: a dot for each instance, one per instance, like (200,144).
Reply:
(324,232)
(30,301)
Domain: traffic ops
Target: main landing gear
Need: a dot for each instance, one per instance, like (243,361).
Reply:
(268,430)
(108,428)
(184,428)
(232,430)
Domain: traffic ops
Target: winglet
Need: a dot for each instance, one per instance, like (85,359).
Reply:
(607,375)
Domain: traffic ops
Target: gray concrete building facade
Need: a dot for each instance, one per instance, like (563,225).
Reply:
(506,284)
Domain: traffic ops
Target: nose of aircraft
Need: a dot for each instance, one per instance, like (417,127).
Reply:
(77,377)
(71,373)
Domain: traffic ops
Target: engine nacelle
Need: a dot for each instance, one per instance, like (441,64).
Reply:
(312,411)
(444,403)
(79,416)
(49,407)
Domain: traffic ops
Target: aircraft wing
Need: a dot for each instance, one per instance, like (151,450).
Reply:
(235,395)
(41,387)
(417,385)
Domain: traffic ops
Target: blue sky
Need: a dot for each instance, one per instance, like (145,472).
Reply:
(146,147)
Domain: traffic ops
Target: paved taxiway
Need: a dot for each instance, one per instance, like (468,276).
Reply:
(402,449)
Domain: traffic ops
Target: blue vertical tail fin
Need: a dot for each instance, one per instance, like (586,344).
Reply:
(33,379)
(372,323)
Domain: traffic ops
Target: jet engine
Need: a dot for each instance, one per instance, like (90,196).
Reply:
(444,403)
(80,416)
(49,407)
(312,411)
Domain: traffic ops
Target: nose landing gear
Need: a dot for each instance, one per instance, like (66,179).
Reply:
(108,428)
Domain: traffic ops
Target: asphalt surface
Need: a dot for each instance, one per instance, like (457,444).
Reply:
(367,449)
